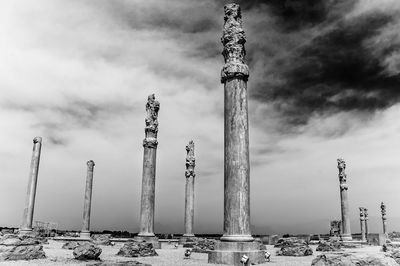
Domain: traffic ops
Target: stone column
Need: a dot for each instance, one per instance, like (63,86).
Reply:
(189,191)
(346,233)
(27,218)
(383,211)
(366,222)
(149,173)
(85,233)
(236,240)
(362,224)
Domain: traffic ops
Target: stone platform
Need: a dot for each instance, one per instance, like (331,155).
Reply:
(149,239)
(232,252)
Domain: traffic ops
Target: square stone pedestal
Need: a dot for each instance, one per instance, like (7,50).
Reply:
(149,239)
(232,252)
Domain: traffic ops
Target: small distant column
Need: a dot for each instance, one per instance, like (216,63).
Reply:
(85,233)
(383,211)
(362,224)
(149,173)
(346,232)
(366,222)
(27,218)
(189,191)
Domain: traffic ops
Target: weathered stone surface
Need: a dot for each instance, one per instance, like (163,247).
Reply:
(346,234)
(327,246)
(137,249)
(85,233)
(121,263)
(296,251)
(104,239)
(71,245)
(87,251)
(352,260)
(189,189)
(26,252)
(395,254)
(289,241)
(204,245)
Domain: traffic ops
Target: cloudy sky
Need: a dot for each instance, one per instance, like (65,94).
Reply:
(324,84)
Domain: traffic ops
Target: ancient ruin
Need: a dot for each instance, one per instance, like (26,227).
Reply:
(236,240)
(346,233)
(383,212)
(366,221)
(149,173)
(27,218)
(85,233)
(362,224)
(189,189)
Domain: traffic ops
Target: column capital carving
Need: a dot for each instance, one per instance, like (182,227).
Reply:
(362,213)
(341,165)
(190,160)
(37,140)
(233,38)
(383,210)
(151,121)
(90,164)
(150,143)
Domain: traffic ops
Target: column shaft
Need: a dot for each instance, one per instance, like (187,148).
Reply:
(148,192)
(344,202)
(87,203)
(27,219)
(189,206)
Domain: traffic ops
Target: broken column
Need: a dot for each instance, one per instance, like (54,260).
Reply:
(149,174)
(362,224)
(27,218)
(346,233)
(85,233)
(383,211)
(236,240)
(189,190)
(366,222)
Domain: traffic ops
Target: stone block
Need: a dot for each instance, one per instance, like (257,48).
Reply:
(232,252)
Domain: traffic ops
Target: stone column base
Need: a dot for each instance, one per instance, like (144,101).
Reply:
(186,239)
(25,231)
(232,252)
(149,239)
(346,237)
(85,234)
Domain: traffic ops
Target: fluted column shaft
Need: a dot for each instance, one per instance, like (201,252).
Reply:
(149,168)
(346,232)
(87,203)
(27,218)
(234,76)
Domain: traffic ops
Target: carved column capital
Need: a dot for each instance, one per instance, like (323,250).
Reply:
(383,210)
(342,174)
(233,39)
(362,213)
(37,140)
(150,143)
(90,164)
(190,160)
(151,122)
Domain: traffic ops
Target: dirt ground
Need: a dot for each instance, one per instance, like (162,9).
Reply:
(168,255)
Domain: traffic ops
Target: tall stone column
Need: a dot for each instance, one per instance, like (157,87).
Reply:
(366,222)
(236,240)
(149,173)
(383,211)
(189,190)
(85,233)
(346,233)
(362,224)
(27,218)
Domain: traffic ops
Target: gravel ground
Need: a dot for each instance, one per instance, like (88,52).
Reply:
(168,256)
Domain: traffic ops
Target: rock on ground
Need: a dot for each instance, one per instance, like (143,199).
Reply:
(137,249)
(290,242)
(26,252)
(71,245)
(352,260)
(87,251)
(296,251)
(329,246)
(395,254)
(204,245)
(104,239)
(121,263)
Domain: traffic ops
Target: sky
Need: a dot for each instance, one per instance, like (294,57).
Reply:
(324,84)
